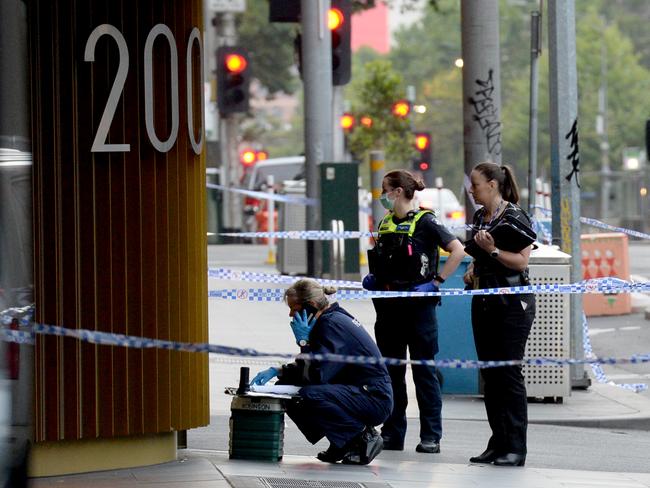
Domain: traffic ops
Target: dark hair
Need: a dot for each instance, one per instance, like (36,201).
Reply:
(504,176)
(401,178)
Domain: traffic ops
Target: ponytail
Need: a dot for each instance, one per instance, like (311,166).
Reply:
(504,176)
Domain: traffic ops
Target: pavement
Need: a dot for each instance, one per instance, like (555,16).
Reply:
(207,464)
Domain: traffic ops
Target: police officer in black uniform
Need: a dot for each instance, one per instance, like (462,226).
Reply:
(406,258)
(501,323)
(340,401)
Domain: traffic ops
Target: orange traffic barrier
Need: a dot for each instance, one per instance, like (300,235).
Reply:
(605,255)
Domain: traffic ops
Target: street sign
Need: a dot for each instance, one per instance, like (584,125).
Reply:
(227,5)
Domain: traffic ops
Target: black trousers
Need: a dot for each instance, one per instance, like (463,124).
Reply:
(410,323)
(501,325)
(339,412)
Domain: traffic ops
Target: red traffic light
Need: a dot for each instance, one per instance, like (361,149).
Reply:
(401,108)
(366,121)
(424,166)
(335,18)
(261,155)
(235,63)
(422,141)
(247,157)
(347,121)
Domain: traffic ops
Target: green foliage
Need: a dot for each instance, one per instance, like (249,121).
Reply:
(270,47)
(374,92)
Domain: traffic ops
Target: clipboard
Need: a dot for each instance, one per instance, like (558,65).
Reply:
(507,236)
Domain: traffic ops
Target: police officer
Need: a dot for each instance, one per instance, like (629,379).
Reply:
(406,258)
(501,323)
(340,401)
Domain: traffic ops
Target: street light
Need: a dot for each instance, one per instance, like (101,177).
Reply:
(459,62)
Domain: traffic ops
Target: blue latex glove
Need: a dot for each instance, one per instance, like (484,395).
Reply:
(265,376)
(369,282)
(428,286)
(302,325)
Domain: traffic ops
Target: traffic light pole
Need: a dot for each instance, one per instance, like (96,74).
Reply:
(231,171)
(317,77)
(481,87)
(565,160)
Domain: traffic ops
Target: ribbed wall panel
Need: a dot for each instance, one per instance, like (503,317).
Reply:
(120,240)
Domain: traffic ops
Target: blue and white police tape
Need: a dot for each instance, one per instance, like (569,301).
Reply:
(313,235)
(600,224)
(111,339)
(265,195)
(24,315)
(597,369)
(597,285)
(229,274)
(543,235)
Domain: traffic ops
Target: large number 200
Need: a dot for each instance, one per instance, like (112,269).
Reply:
(99,144)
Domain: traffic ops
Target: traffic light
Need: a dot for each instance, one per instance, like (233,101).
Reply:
(366,121)
(422,161)
(401,109)
(233,80)
(347,122)
(339,22)
(248,157)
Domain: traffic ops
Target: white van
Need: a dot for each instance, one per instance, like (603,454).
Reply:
(282,169)
(446,206)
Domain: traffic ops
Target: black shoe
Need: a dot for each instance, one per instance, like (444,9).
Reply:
(365,448)
(487,456)
(392,445)
(428,447)
(332,454)
(510,459)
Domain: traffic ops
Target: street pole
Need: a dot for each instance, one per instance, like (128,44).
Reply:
(565,160)
(601,130)
(317,78)
(535,52)
(377,163)
(481,87)
(338,138)
(231,170)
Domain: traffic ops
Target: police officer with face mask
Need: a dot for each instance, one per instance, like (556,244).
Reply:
(406,258)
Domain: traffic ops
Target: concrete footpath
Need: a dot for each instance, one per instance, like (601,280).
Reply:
(599,406)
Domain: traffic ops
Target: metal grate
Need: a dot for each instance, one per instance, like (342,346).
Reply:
(292,253)
(259,482)
(294,483)
(549,336)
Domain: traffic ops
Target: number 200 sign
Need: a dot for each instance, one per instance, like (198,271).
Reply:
(99,143)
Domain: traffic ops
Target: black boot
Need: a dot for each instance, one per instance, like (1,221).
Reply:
(364,448)
(510,459)
(333,454)
(487,457)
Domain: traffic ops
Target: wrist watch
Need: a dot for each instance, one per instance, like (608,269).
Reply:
(495,253)
(303,343)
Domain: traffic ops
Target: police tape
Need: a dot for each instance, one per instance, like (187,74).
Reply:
(600,224)
(265,195)
(597,285)
(122,340)
(230,274)
(597,368)
(310,235)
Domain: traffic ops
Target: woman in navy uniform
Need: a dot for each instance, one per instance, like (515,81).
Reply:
(406,258)
(501,323)
(340,401)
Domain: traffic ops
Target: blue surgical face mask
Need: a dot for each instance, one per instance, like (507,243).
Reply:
(386,202)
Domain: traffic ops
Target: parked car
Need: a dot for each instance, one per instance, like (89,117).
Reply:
(446,206)
(282,169)
(16,290)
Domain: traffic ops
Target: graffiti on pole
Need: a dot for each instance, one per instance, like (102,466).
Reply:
(486,113)
(574,156)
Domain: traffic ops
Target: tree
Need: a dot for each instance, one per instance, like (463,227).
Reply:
(270,47)
(373,93)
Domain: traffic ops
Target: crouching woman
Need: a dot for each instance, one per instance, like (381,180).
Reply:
(340,401)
